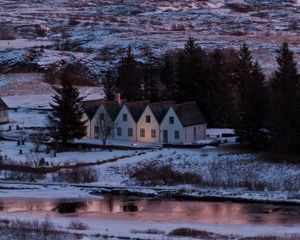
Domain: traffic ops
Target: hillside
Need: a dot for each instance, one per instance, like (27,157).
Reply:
(38,35)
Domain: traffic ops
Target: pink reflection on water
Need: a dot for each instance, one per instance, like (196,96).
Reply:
(167,211)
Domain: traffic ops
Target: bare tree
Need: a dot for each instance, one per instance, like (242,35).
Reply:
(104,127)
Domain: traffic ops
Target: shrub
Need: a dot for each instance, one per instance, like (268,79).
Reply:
(194,233)
(149,231)
(237,7)
(33,230)
(76,175)
(6,35)
(78,226)
(152,174)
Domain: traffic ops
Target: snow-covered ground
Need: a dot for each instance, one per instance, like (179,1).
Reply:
(11,150)
(97,32)
(31,98)
(226,170)
(23,43)
(120,229)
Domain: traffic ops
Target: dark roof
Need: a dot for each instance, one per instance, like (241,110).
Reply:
(3,105)
(91,107)
(136,108)
(189,114)
(112,109)
(160,109)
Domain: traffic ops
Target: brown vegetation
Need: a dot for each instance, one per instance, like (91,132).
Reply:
(32,230)
(152,174)
(76,175)
(188,232)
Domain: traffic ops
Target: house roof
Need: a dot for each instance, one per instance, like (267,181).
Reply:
(112,109)
(3,105)
(160,109)
(91,107)
(189,114)
(136,109)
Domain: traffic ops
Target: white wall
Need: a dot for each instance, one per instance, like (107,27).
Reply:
(87,125)
(4,116)
(96,118)
(171,128)
(142,124)
(200,133)
(119,123)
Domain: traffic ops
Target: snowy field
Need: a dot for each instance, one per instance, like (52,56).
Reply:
(216,165)
(227,171)
(96,32)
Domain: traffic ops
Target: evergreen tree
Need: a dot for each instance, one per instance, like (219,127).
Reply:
(253,110)
(192,77)
(167,78)
(189,73)
(219,101)
(286,102)
(128,80)
(109,87)
(243,70)
(67,112)
(151,90)
(252,100)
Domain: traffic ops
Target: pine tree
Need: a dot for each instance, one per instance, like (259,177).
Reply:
(128,80)
(243,70)
(151,90)
(219,101)
(109,87)
(286,102)
(188,72)
(253,110)
(167,78)
(67,112)
(252,100)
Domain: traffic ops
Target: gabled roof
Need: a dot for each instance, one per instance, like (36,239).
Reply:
(136,109)
(91,107)
(3,105)
(160,109)
(112,109)
(189,114)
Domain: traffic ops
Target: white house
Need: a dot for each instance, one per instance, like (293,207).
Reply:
(142,121)
(3,112)
(148,125)
(90,108)
(106,114)
(183,123)
(126,120)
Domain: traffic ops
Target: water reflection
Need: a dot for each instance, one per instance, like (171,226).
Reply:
(112,207)
(70,207)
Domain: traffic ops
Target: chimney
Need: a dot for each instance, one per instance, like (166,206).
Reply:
(118,98)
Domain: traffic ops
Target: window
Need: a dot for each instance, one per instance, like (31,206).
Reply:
(119,131)
(130,132)
(142,132)
(101,116)
(176,134)
(124,117)
(153,133)
(195,133)
(171,120)
(148,119)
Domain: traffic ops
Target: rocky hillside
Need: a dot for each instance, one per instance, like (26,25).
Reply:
(36,35)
